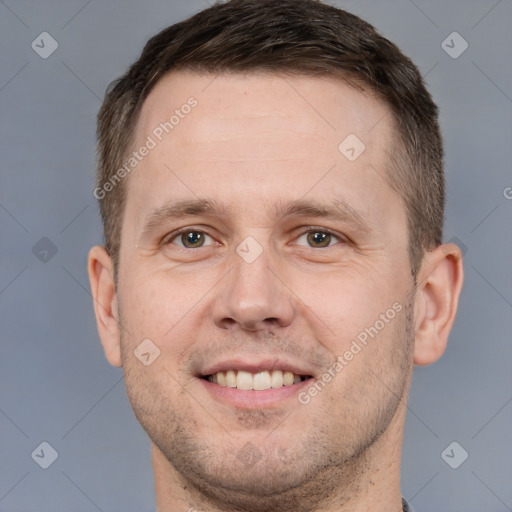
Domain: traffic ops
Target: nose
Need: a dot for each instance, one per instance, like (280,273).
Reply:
(253,297)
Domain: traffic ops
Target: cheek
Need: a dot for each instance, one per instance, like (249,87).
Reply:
(345,303)
(164,310)
(374,361)
(148,308)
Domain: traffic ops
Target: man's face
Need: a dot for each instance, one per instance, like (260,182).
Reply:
(259,279)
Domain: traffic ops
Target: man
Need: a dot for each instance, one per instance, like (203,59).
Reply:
(272,191)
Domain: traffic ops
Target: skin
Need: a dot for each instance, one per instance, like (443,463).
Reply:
(253,142)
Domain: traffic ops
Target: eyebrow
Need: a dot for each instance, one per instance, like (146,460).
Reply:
(184,208)
(337,210)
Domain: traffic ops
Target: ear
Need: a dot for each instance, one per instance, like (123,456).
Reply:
(437,295)
(104,296)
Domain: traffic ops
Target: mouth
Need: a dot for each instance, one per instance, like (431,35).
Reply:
(259,381)
(255,387)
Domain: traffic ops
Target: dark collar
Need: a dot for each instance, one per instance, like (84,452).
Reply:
(405,506)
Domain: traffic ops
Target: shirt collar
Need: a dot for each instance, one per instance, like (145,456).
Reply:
(405,506)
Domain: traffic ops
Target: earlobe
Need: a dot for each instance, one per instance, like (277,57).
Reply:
(439,284)
(104,295)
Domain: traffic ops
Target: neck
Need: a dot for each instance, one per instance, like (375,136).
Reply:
(369,484)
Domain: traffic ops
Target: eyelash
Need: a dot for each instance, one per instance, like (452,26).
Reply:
(172,236)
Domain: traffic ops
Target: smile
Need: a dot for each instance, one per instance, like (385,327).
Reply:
(259,381)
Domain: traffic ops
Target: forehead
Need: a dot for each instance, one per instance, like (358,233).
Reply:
(321,106)
(272,137)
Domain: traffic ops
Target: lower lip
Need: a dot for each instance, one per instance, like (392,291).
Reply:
(251,399)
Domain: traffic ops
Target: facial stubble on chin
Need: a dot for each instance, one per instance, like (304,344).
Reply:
(303,476)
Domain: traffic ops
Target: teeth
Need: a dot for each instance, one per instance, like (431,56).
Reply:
(255,381)
(288,378)
(244,380)
(262,381)
(221,378)
(277,379)
(230,379)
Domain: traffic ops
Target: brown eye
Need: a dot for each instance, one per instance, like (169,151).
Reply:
(190,239)
(319,238)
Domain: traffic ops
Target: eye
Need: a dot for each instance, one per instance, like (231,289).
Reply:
(318,239)
(190,239)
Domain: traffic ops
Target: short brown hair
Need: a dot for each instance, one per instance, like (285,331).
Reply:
(299,37)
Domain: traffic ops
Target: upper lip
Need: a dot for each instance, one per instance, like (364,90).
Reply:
(256,365)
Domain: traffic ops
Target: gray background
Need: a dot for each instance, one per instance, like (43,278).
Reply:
(55,384)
